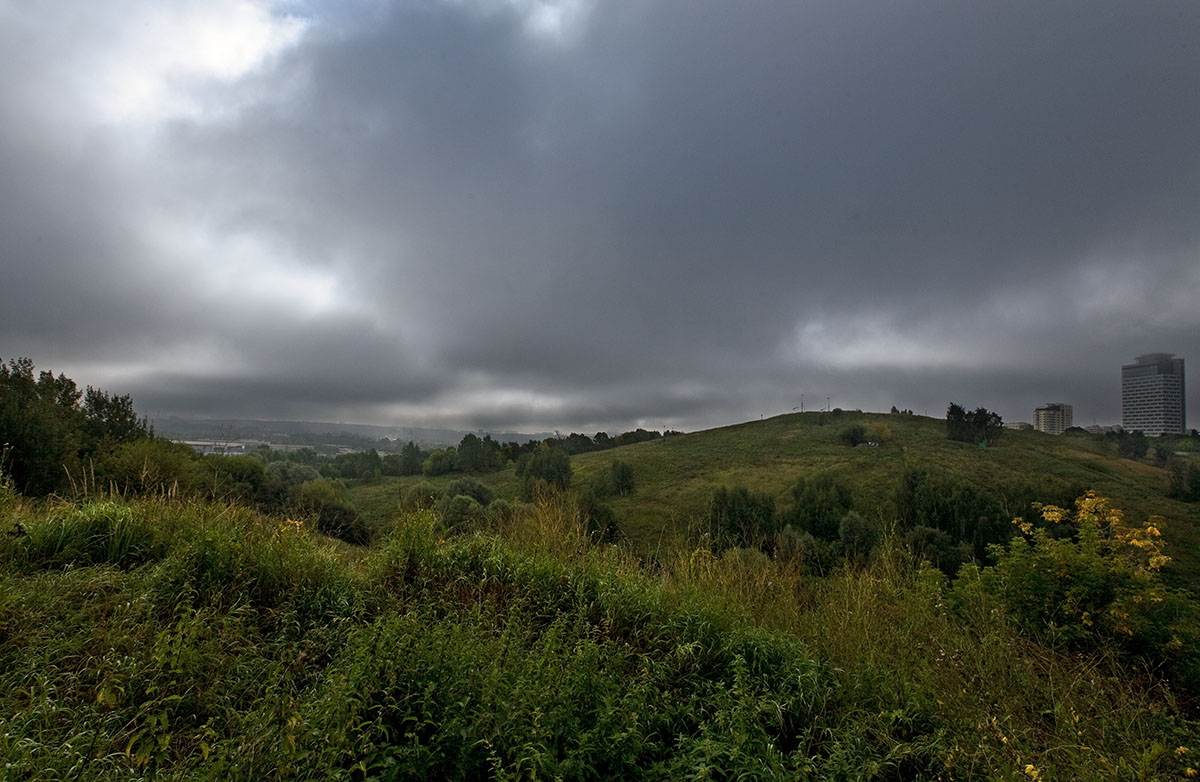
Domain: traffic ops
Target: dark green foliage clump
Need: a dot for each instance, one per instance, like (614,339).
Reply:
(621,476)
(821,502)
(1183,476)
(853,435)
(546,468)
(49,429)
(740,517)
(981,426)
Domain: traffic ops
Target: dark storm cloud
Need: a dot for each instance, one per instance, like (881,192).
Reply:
(670,215)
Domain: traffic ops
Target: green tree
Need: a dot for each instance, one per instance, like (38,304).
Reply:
(440,462)
(853,435)
(546,466)
(739,517)
(820,504)
(621,477)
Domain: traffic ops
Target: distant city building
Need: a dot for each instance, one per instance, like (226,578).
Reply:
(1052,417)
(1152,395)
(1023,426)
(1097,429)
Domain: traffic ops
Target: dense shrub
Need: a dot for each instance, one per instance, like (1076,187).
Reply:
(739,517)
(146,466)
(853,435)
(1098,589)
(335,516)
(1183,476)
(621,476)
(820,504)
(227,478)
(440,462)
(470,487)
(857,537)
(420,495)
(461,512)
(544,467)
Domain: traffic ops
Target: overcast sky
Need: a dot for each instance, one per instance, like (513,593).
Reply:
(540,214)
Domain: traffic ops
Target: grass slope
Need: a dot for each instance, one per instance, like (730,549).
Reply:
(676,475)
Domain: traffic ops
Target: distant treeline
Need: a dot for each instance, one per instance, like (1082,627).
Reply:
(473,454)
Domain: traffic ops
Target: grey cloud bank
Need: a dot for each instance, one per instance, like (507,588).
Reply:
(597,216)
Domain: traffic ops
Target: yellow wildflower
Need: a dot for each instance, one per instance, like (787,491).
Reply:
(1031,772)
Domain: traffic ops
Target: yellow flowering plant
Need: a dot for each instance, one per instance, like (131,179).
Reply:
(1097,587)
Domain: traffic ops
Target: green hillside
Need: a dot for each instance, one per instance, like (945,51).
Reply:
(675,476)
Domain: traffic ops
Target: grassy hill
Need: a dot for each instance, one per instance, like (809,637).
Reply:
(675,476)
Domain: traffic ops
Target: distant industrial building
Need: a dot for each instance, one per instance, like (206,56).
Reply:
(1052,418)
(1152,395)
(1022,426)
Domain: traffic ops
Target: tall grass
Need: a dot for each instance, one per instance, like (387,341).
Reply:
(189,641)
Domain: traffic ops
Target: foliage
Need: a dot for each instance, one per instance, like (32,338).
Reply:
(981,426)
(476,455)
(621,477)
(227,478)
(440,462)
(146,466)
(857,537)
(879,432)
(48,427)
(926,498)
(461,512)
(853,435)
(168,640)
(739,517)
(1131,445)
(1183,475)
(938,548)
(471,487)
(1097,589)
(544,467)
(598,519)
(420,495)
(820,504)
(335,517)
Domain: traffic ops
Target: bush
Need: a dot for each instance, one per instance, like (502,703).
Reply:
(145,467)
(544,466)
(461,512)
(937,548)
(739,517)
(1100,589)
(335,516)
(227,478)
(621,475)
(470,487)
(857,537)
(1183,477)
(801,548)
(420,495)
(853,435)
(440,462)
(821,503)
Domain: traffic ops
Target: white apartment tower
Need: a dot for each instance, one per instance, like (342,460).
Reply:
(1052,417)
(1152,395)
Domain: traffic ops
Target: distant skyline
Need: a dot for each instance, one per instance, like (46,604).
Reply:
(529,215)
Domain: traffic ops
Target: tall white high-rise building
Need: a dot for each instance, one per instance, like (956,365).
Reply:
(1052,417)
(1152,395)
